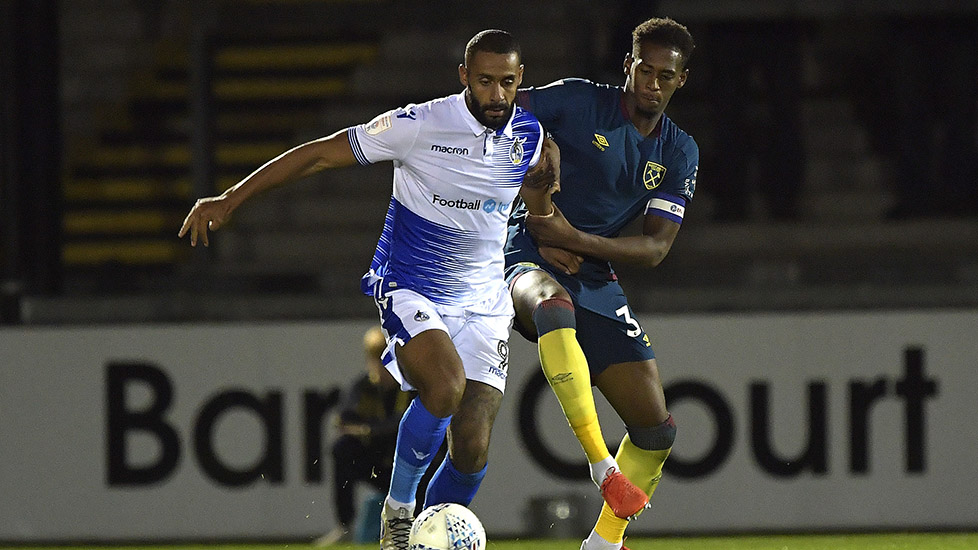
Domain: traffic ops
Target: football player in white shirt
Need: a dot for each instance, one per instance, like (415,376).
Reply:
(459,163)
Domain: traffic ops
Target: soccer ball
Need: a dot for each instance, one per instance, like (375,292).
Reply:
(447,526)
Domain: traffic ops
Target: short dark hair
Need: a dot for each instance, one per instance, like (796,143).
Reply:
(492,41)
(664,31)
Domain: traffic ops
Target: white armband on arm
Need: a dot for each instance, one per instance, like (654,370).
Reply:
(671,207)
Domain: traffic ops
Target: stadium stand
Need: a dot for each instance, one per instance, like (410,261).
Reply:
(282,71)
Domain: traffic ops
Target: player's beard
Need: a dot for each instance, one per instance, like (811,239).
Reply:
(650,110)
(480,112)
(647,113)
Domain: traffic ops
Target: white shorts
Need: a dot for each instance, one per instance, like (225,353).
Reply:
(481,337)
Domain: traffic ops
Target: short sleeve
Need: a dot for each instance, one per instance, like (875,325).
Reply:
(671,198)
(683,165)
(389,136)
(541,136)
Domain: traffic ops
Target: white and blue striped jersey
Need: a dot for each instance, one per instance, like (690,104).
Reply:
(455,182)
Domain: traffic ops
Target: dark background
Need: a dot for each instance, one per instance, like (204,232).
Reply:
(838,149)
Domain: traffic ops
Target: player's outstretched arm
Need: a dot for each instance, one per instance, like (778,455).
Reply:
(304,160)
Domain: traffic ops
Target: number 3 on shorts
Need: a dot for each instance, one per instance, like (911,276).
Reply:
(636,328)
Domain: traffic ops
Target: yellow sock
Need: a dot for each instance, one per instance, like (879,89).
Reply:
(641,467)
(567,371)
(609,526)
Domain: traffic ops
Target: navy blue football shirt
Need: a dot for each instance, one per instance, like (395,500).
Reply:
(610,173)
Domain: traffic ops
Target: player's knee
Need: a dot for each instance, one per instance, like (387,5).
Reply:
(440,389)
(470,453)
(654,438)
(439,377)
(554,313)
(442,398)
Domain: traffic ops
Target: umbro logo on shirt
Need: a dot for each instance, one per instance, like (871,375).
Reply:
(600,142)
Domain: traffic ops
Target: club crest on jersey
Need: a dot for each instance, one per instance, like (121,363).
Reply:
(653,174)
(516,151)
(421,316)
(380,124)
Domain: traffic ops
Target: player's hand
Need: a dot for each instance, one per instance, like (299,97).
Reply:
(552,230)
(568,262)
(208,213)
(545,176)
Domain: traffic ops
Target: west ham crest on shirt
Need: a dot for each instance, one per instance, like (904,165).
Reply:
(516,151)
(653,174)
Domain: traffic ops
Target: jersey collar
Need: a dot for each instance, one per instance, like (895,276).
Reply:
(477,127)
(656,132)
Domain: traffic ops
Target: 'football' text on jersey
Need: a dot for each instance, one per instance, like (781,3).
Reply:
(455,182)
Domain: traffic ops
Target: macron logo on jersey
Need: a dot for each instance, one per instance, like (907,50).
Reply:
(461,151)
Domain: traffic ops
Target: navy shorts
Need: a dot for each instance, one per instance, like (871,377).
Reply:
(607,328)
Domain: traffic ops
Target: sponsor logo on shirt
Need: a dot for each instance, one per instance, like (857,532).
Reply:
(461,151)
(492,206)
(689,186)
(489,206)
(456,203)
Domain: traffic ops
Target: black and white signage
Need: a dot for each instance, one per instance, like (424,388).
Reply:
(786,422)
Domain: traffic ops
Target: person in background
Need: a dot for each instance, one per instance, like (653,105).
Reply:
(369,414)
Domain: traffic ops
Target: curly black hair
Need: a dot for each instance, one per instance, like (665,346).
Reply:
(665,32)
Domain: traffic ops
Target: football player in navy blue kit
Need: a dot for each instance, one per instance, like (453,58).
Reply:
(621,158)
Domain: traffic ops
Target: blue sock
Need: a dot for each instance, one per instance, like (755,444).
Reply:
(418,438)
(451,485)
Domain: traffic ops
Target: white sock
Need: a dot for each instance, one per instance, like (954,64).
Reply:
(396,504)
(599,470)
(594,541)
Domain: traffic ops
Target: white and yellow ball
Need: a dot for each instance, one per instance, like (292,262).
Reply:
(447,527)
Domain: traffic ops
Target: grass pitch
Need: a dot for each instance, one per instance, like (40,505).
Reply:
(887,541)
